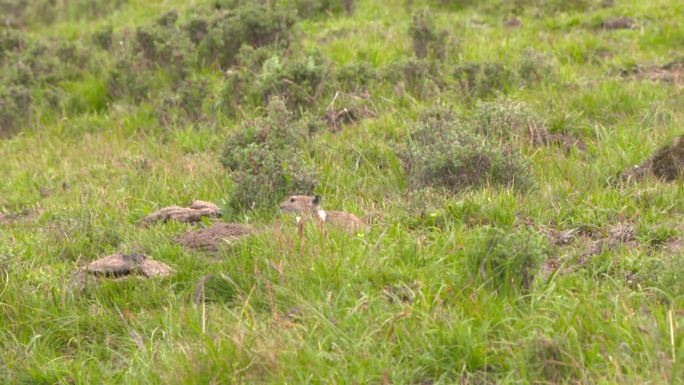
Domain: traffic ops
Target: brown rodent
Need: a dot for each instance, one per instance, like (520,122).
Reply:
(310,206)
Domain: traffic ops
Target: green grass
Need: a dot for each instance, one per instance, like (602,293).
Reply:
(402,304)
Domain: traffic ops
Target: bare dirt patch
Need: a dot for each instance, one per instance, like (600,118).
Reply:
(191,214)
(590,241)
(618,23)
(401,292)
(336,119)
(212,238)
(22,216)
(667,163)
(513,23)
(542,137)
(121,266)
(668,73)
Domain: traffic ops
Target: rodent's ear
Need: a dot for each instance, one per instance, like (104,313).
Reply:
(317,200)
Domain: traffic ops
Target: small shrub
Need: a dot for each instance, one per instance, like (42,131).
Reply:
(127,78)
(267,159)
(164,45)
(504,119)
(295,80)
(15,108)
(102,38)
(312,8)
(506,261)
(419,77)
(220,36)
(482,79)
(485,79)
(444,153)
(427,39)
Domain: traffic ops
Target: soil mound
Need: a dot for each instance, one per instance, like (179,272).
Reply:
(667,163)
(212,238)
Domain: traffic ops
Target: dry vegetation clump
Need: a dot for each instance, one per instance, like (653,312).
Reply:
(442,152)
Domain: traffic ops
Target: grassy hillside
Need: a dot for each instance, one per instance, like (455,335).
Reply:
(482,142)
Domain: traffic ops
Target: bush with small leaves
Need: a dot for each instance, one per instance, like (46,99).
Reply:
(297,81)
(504,119)
(102,38)
(220,35)
(311,8)
(15,101)
(443,152)
(506,260)
(267,158)
(483,79)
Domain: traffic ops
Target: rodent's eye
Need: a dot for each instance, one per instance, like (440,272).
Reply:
(292,200)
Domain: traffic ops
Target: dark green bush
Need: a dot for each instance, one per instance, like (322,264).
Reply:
(442,152)
(298,81)
(220,35)
(15,109)
(20,13)
(267,158)
(312,8)
(128,78)
(34,72)
(506,260)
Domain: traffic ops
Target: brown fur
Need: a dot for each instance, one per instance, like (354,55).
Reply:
(310,206)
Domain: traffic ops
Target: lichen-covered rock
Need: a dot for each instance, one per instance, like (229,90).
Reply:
(151,268)
(121,266)
(192,214)
(115,265)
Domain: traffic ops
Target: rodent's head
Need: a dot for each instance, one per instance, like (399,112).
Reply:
(301,203)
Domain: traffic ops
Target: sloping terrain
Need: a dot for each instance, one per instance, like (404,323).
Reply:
(490,146)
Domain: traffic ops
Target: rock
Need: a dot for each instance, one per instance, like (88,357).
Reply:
(192,214)
(115,265)
(150,268)
(121,266)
